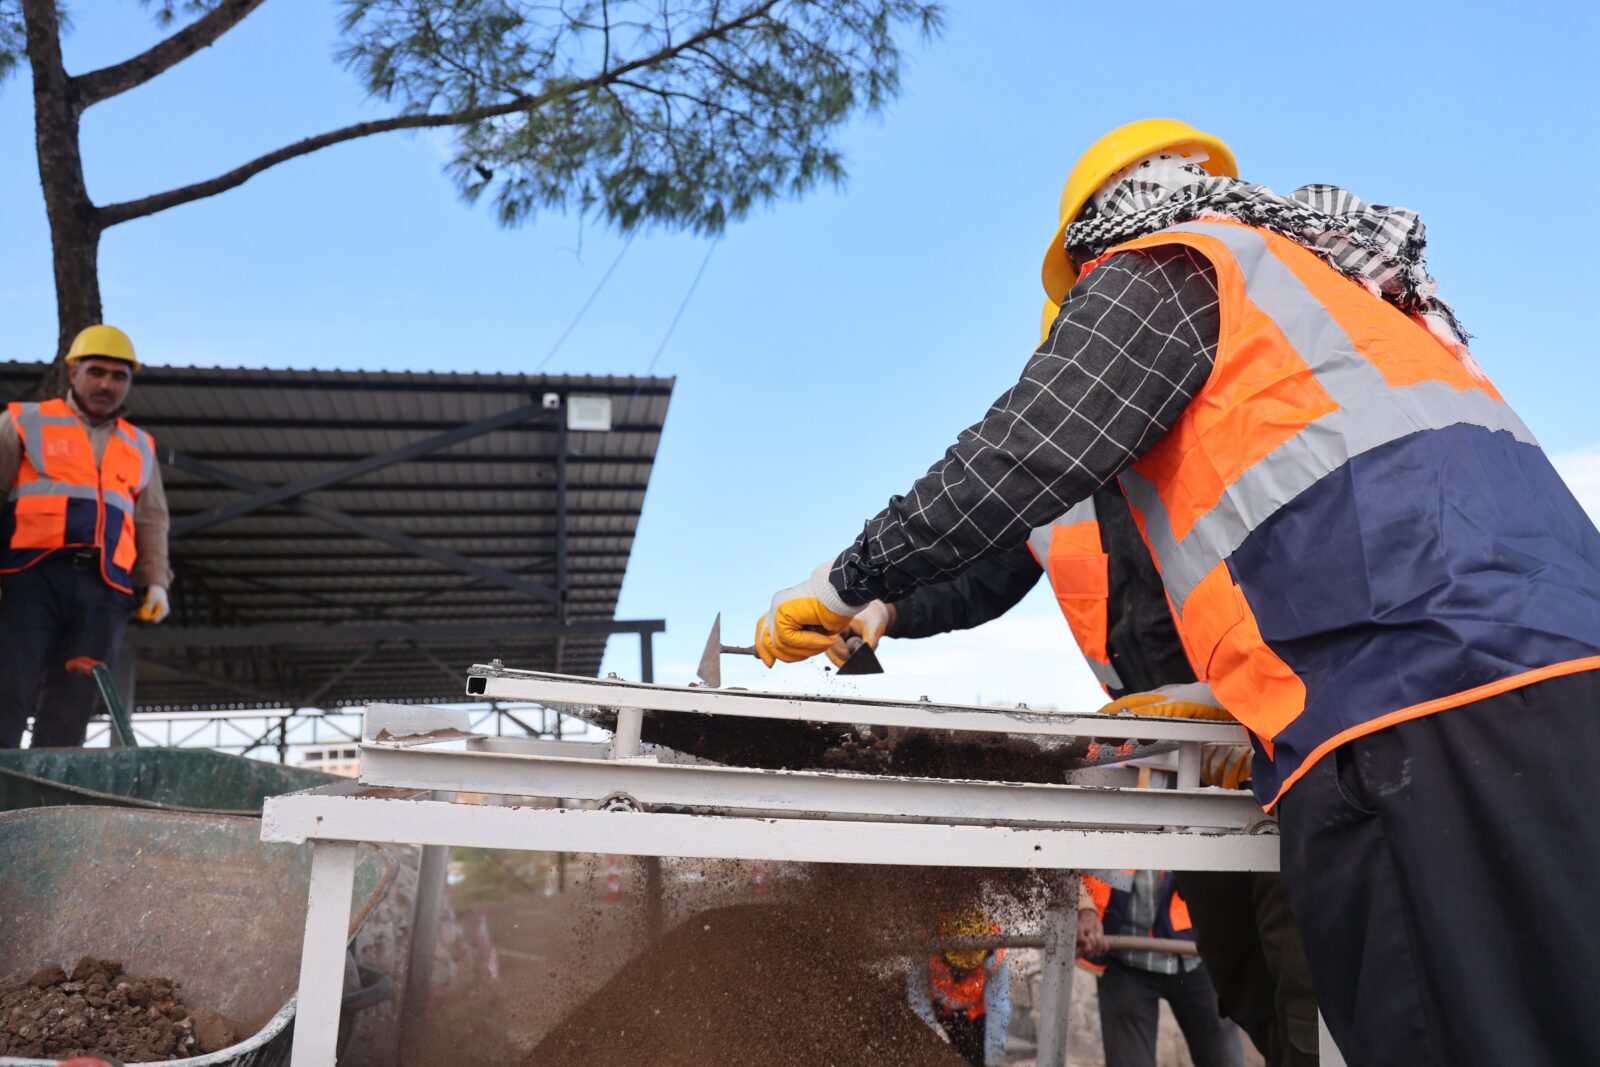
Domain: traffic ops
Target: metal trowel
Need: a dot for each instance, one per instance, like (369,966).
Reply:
(861,660)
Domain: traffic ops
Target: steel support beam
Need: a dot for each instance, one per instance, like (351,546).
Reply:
(218,636)
(324,815)
(561,516)
(547,769)
(493,575)
(264,498)
(501,683)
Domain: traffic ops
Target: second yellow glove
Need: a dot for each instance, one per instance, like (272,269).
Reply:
(1191,700)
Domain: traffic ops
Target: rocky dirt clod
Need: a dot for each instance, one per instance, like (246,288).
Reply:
(100,1011)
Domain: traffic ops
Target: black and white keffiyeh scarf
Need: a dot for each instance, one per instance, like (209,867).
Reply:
(1379,247)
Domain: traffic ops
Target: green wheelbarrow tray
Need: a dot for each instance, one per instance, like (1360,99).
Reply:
(198,898)
(174,779)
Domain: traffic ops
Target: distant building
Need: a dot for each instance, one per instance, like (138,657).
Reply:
(345,761)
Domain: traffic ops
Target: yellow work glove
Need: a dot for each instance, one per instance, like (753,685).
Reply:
(873,621)
(1192,700)
(1227,766)
(155,606)
(802,620)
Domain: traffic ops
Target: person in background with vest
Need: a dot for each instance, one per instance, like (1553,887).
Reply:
(84,526)
(967,992)
(1133,983)
(1369,558)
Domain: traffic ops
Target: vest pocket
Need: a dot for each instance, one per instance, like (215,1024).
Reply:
(41,522)
(1082,585)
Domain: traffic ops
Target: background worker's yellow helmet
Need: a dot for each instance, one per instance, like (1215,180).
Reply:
(1123,145)
(967,921)
(104,342)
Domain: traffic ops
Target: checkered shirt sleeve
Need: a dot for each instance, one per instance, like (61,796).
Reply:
(1134,342)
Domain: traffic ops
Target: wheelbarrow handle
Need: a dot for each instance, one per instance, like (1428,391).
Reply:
(121,725)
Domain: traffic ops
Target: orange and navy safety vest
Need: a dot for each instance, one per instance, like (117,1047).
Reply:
(63,500)
(1073,557)
(1352,530)
(962,995)
(1112,892)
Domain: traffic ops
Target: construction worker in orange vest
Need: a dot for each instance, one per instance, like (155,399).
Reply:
(1111,595)
(967,992)
(84,526)
(1371,564)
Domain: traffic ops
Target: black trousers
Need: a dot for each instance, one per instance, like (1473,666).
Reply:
(1251,946)
(50,613)
(1440,871)
(1130,1009)
(966,1035)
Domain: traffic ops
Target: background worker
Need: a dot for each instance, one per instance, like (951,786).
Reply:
(84,525)
(967,992)
(1133,983)
(1370,561)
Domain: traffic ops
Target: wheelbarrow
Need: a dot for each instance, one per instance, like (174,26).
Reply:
(171,779)
(198,898)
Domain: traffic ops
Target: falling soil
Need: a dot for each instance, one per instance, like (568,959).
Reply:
(98,1010)
(756,984)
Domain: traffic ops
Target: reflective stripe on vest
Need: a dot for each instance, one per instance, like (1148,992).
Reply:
(1370,413)
(63,498)
(1351,528)
(1073,557)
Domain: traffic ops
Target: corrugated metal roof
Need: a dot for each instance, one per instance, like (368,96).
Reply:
(491,499)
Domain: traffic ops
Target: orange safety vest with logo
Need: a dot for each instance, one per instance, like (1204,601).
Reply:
(1073,558)
(1112,892)
(1352,530)
(63,500)
(961,995)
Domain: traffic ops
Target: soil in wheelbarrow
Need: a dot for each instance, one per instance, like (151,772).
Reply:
(756,984)
(99,1010)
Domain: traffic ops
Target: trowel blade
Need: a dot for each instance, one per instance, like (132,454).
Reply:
(710,669)
(861,660)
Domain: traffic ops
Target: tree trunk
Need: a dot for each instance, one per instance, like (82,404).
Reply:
(74,220)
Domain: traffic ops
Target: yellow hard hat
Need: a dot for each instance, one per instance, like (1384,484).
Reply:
(968,921)
(104,342)
(1047,319)
(1105,157)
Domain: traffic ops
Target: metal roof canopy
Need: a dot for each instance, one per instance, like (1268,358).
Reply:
(343,537)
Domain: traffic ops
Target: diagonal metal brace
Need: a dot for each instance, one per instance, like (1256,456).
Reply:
(266,496)
(393,538)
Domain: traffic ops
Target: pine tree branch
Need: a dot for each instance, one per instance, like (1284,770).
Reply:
(112,214)
(102,84)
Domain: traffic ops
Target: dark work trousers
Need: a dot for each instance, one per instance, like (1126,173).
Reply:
(966,1035)
(1251,946)
(1130,1009)
(50,613)
(1440,872)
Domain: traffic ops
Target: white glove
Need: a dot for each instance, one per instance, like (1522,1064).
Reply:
(155,606)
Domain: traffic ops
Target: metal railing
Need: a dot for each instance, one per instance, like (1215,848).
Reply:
(280,734)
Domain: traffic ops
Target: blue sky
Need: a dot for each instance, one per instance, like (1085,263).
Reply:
(836,345)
